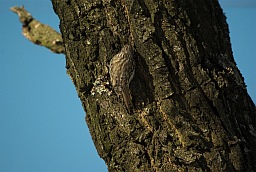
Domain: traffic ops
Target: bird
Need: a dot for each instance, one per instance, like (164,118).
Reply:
(122,70)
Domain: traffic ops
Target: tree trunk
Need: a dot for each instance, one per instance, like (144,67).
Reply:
(191,109)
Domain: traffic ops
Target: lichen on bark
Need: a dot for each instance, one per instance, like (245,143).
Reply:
(39,33)
(191,108)
(186,112)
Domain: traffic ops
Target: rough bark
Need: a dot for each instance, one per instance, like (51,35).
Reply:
(191,108)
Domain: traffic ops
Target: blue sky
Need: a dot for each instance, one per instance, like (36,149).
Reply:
(42,125)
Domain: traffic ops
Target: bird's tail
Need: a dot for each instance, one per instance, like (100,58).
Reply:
(127,98)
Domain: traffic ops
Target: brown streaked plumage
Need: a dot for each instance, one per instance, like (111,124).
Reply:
(121,70)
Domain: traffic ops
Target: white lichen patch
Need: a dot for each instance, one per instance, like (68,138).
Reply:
(100,86)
